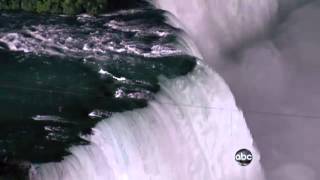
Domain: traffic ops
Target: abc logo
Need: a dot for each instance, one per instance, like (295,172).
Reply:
(244,157)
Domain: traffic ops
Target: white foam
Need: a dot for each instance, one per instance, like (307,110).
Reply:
(193,128)
(176,137)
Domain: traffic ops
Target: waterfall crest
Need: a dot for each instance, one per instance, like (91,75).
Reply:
(190,131)
(193,128)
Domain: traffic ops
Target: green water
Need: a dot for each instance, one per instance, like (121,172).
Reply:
(60,75)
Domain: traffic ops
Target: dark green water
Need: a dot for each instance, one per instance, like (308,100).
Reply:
(60,75)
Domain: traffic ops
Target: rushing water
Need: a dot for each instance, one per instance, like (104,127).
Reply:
(268,53)
(189,126)
(62,75)
(128,95)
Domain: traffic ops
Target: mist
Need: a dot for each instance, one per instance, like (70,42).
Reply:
(268,53)
(279,75)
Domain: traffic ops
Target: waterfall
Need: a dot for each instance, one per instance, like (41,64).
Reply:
(193,128)
(190,131)
(268,68)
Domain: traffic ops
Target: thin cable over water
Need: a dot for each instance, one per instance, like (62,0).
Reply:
(303,116)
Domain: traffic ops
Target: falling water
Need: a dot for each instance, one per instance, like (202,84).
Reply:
(192,129)
(267,51)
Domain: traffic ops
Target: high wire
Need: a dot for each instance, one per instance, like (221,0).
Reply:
(279,114)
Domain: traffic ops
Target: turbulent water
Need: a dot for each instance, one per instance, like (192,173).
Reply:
(190,130)
(60,75)
(130,96)
(178,136)
(267,51)
(83,69)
